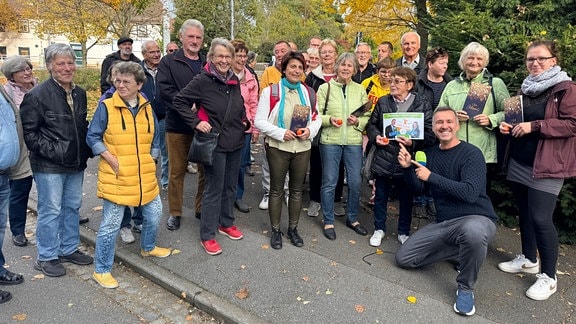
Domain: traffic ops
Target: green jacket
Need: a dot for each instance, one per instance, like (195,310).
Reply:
(342,104)
(484,138)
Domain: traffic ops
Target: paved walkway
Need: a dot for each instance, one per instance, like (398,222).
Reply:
(342,281)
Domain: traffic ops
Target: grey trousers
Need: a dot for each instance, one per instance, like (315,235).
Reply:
(464,239)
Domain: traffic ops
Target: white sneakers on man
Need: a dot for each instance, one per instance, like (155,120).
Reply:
(519,264)
(126,235)
(543,288)
(402,238)
(376,238)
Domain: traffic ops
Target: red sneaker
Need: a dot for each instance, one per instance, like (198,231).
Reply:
(232,232)
(211,247)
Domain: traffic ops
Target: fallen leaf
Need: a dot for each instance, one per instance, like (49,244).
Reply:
(19,317)
(298,298)
(70,305)
(265,232)
(411,299)
(175,251)
(265,246)
(97,208)
(352,242)
(39,276)
(26,257)
(305,278)
(188,318)
(314,240)
(183,294)
(560,272)
(333,263)
(242,293)
(242,266)
(520,275)
(378,251)
(328,292)
(500,249)
(359,308)
(305,302)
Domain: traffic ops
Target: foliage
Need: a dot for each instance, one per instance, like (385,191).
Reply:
(262,22)
(122,14)
(10,15)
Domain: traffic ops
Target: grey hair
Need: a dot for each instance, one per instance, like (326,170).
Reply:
(474,48)
(130,68)
(346,57)
(220,41)
(313,51)
(252,56)
(409,33)
(146,43)
(363,44)
(14,64)
(58,49)
(191,23)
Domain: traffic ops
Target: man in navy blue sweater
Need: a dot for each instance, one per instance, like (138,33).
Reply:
(465,219)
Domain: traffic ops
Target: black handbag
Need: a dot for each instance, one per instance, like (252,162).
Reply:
(204,144)
(203,147)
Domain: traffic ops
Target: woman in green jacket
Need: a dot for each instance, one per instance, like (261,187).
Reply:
(341,139)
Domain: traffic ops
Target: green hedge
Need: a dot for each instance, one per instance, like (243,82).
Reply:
(88,79)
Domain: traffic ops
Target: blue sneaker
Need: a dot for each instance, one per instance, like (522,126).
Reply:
(464,304)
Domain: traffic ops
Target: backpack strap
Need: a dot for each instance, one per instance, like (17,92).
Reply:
(370,85)
(274,96)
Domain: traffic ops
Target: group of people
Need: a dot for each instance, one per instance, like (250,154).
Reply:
(319,113)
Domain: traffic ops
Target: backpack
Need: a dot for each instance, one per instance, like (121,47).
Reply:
(275,97)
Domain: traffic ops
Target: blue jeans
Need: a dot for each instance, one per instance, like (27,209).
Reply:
(163,153)
(19,193)
(244,162)
(4,199)
(405,198)
(127,216)
(331,156)
(110,225)
(59,201)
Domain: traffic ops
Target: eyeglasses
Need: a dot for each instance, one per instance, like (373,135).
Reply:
(126,83)
(26,69)
(540,59)
(397,81)
(171,50)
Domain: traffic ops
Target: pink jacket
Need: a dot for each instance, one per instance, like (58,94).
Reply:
(249,89)
(556,152)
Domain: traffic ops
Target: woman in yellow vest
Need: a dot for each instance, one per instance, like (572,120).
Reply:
(123,132)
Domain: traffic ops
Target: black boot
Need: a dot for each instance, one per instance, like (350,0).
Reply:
(295,237)
(276,239)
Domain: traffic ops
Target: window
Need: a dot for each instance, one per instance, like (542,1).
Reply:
(3,52)
(24,51)
(24,26)
(142,31)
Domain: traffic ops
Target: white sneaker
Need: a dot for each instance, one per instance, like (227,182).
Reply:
(402,238)
(376,238)
(543,288)
(314,208)
(126,235)
(339,209)
(192,168)
(519,264)
(264,202)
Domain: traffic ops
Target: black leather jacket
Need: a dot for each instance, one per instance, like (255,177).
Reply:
(54,133)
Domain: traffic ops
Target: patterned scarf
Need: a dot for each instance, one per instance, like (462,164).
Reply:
(535,85)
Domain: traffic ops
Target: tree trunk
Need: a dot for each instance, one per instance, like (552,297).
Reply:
(422,16)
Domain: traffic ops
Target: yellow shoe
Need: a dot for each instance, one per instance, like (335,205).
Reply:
(105,280)
(156,252)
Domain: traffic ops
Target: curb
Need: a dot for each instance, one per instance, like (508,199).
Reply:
(182,288)
(175,284)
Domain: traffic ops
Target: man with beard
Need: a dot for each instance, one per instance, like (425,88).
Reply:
(124,53)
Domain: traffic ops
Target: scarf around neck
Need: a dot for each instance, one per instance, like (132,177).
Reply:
(535,85)
(224,78)
(290,86)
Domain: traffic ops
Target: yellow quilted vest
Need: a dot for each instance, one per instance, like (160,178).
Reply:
(128,138)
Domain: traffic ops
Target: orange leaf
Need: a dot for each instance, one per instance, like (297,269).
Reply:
(19,317)
(359,308)
(242,293)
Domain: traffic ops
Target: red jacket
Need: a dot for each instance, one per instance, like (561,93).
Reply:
(556,152)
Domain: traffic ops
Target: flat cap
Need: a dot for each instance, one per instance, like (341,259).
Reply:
(123,40)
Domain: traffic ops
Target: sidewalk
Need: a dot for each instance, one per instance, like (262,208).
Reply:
(340,281)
